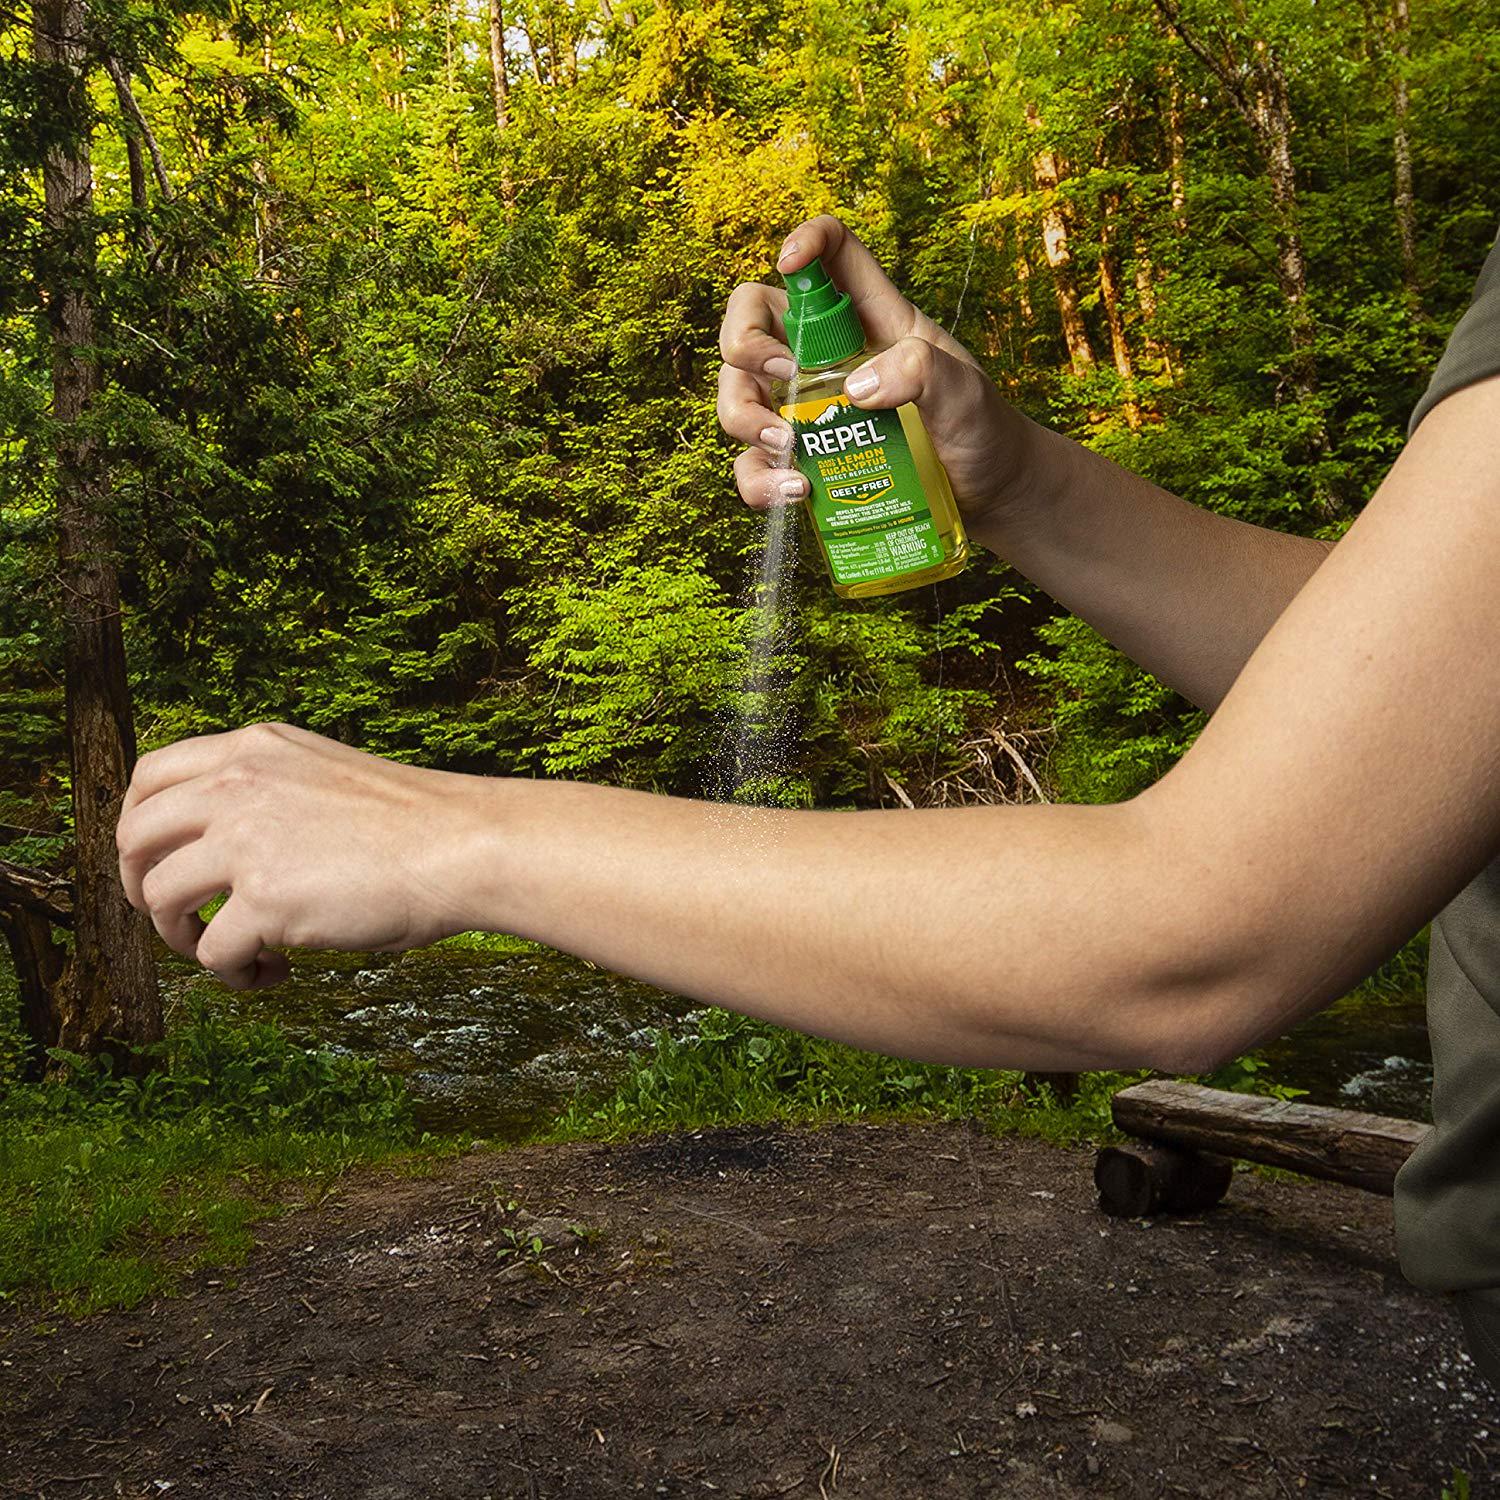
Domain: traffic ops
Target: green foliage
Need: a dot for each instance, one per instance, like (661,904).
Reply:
(410,420)
(1247,1075)
(1458,1487)
(241,1077)
(635,665)
(112,1187)
(1119,728)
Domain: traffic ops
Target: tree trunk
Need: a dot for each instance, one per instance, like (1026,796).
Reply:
(497,67)
(1023,283)
(397,24)
(501,83)
(1109,291)
(536,57)
(113,996)
(1272,118)
(1255,84)
(1048,174)
(1157,348)
(1405,202)
(31,904)
(1177,149)
(39,962)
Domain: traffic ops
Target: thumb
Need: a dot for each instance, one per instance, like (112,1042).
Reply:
(957,400)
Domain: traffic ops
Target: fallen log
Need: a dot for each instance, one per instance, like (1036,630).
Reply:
(1337,1145)
(1143,1179)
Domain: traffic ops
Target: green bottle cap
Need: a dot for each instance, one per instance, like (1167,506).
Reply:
(821,324)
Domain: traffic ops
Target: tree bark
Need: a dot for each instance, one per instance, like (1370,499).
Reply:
(40,964)
(1109,291)
(497,67)
(113,996)
(1255,83)
(1405,202)
(31,904)
(542,77)
(1023,282)
(1048,174)
(138,124)
(1272,116)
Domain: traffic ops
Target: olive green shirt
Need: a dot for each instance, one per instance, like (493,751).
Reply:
(1448,1194)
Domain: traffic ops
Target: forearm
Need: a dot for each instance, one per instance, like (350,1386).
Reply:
(1021,937)
(1186,593)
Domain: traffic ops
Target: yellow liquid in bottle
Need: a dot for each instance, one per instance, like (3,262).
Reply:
(818,385)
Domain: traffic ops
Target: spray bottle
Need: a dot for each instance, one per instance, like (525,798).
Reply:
(880,504)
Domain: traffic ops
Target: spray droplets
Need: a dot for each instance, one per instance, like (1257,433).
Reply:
(760,737)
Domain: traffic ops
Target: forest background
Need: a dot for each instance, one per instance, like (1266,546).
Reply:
(391,413)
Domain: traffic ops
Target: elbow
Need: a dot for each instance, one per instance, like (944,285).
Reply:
(1197,1029)
(1191,1054)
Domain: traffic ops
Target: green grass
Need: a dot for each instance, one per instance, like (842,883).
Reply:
(111,1188)
(718,1068)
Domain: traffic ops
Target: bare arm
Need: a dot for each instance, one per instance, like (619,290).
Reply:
(1346,788)
(1184,592)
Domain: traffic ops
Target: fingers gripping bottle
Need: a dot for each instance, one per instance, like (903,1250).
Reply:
(880,503)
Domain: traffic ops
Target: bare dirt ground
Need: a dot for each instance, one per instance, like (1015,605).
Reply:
(862,1311)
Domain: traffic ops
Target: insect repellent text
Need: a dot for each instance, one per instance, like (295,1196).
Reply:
(867,503)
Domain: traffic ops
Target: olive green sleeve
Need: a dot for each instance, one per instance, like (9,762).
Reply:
(1473,352)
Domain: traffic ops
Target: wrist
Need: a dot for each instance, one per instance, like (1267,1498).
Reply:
(1032,465)
(464,851)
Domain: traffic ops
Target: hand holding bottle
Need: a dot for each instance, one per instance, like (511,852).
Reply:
(979,437)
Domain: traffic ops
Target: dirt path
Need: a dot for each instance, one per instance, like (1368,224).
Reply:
(866,1311)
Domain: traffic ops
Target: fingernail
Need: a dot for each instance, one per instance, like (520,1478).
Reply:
(792,488)
(788,250)
(863,382)
(780,369)
(776,437)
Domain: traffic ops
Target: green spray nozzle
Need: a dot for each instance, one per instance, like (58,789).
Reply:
(822,326)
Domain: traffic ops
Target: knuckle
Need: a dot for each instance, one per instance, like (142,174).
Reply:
(266,735)
(255,889)
(916,357)
(152,891)
(236,778)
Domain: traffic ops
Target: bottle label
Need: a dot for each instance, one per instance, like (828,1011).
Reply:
(867,502)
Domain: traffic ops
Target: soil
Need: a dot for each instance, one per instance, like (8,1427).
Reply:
(861,1311)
